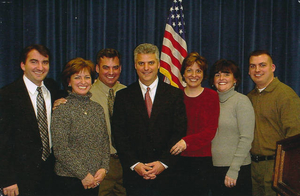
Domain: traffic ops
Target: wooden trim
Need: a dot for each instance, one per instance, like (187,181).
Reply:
(287,166)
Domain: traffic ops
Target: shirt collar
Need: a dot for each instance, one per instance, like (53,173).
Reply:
(31,87)
(224,96)
(271,86)
(152,86)
(104,87)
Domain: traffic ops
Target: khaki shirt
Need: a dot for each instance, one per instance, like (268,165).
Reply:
(277,116)
(99,94)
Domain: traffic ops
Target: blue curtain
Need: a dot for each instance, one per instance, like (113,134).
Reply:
(216,29)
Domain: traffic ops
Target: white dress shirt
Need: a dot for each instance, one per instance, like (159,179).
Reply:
(152,87)
(31,88)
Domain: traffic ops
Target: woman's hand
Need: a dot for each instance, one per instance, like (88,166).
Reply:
(89,181)
(99,176)
(229,182)
(58,102)
(178,147)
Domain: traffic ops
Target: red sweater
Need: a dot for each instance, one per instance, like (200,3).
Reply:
(203,115)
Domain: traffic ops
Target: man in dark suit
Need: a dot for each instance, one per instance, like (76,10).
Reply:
(144,136)
(26,166)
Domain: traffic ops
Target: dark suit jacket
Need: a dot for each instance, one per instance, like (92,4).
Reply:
(20,142)
(140,139)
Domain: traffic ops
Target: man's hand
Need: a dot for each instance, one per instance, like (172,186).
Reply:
(178,147)
(143,170)
(58,102)
(12,190)
(157,168)
(89,181)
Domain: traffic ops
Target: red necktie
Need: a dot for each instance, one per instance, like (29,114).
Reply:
(148,102)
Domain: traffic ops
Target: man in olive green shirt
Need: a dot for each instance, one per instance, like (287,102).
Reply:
(109,68)
(277,117)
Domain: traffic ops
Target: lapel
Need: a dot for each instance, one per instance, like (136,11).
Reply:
(23,100)
(139,102)
(159,101)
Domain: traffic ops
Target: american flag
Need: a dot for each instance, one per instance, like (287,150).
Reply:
(174,48)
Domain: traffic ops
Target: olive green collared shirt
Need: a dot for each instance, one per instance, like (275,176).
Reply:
(99,94)
(277,116)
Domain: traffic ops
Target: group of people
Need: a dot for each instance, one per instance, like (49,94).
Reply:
(76,156)
(145,139)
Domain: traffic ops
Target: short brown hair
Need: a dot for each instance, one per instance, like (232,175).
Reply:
(75,66)
(225,66)
(109,53)
(260,52)
(192,58)
(43,50)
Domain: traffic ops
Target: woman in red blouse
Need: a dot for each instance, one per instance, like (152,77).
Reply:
(202,108)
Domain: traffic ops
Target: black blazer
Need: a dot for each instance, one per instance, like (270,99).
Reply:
(140,139)
(20,142)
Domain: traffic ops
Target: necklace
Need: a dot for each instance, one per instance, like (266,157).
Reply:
(83,108)
(189,94)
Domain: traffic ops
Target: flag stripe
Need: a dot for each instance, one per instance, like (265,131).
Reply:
(171,60)
(169,75)
(174,48)
(176,40)
(168,46)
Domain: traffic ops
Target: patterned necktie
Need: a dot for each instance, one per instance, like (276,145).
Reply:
(110,102)
(42,123)
(148,102)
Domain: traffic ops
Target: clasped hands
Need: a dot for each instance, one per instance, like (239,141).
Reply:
(91,181)
(149,171)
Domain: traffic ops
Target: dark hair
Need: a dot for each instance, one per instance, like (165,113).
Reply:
(109,53)
(260,52)
(192,58)
(225,66)
(75,66)
(43,50)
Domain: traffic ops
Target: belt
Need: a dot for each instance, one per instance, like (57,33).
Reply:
(258,158)
(116,156)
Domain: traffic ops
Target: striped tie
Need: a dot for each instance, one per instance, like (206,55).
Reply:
(42,123)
